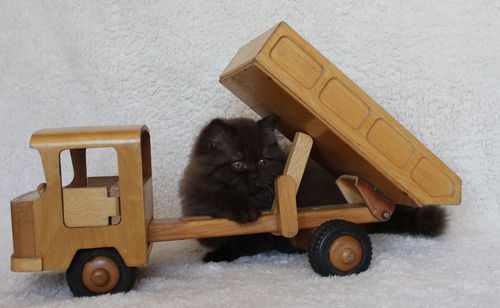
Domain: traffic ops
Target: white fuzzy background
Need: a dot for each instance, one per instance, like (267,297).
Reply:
(434,65)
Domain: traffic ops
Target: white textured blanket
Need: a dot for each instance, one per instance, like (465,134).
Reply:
(435,66)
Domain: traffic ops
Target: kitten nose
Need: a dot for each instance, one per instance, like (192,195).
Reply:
(253,176)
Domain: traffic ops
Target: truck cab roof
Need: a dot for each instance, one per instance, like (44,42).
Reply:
(87,136)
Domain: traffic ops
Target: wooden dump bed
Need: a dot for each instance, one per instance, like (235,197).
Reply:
(280,73)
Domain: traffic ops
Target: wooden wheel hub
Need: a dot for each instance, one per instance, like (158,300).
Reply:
(100,274)
(345,253)
(100,277)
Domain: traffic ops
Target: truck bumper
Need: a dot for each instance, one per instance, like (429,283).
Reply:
(25,264)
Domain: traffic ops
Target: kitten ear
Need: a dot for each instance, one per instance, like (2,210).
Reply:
(217,133)
(268,124)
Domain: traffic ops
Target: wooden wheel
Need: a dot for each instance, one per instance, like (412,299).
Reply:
(99,271)
(339,247)
(100,274)
(345,253)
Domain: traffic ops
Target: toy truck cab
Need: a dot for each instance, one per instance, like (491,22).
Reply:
(54,225)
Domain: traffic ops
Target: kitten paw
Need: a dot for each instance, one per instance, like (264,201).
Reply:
(237,207)
(244,213)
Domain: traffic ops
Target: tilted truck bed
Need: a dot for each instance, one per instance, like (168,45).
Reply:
(280,73)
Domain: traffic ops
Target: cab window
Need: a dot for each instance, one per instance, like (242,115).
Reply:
(91,191)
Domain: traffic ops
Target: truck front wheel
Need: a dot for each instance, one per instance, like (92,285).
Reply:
(99,271)
(339,247)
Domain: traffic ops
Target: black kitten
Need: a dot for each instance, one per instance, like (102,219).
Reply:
(231,174)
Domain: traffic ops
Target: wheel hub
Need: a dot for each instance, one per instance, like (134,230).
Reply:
(100,274)
(345,253)
(100,277)
(347,256)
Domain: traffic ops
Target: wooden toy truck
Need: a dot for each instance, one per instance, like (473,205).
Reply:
(99,229)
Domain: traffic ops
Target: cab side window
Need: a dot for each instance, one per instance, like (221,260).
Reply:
(91,191)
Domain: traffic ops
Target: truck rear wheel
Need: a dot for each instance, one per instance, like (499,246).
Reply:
(339,247)
(99,271)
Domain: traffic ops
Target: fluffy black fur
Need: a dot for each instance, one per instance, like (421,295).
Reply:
(231,174)
(429,221)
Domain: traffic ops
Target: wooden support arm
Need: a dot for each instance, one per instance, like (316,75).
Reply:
(356,190)
(297,160)
(286,191)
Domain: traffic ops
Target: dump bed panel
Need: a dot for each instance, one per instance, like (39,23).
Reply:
(281,73)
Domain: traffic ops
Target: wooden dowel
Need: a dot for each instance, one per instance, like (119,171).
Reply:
(171,229)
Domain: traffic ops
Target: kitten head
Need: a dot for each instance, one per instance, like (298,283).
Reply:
(240,154)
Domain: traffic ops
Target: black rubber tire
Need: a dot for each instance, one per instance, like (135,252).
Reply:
(325,235)
(74,272)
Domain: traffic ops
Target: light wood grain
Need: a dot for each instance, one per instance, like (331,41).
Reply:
(79,162)
(171,229)
(88,207)
(346,184)
(356,190)
(299,154)
(110,182)
(286,191)
(249,51)
(313,217)
(25,264)
(181,228)
(297,159)
(352,134)
(56,243)
(23,230)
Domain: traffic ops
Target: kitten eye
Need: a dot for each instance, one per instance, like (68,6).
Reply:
(263,162)
(237,165)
